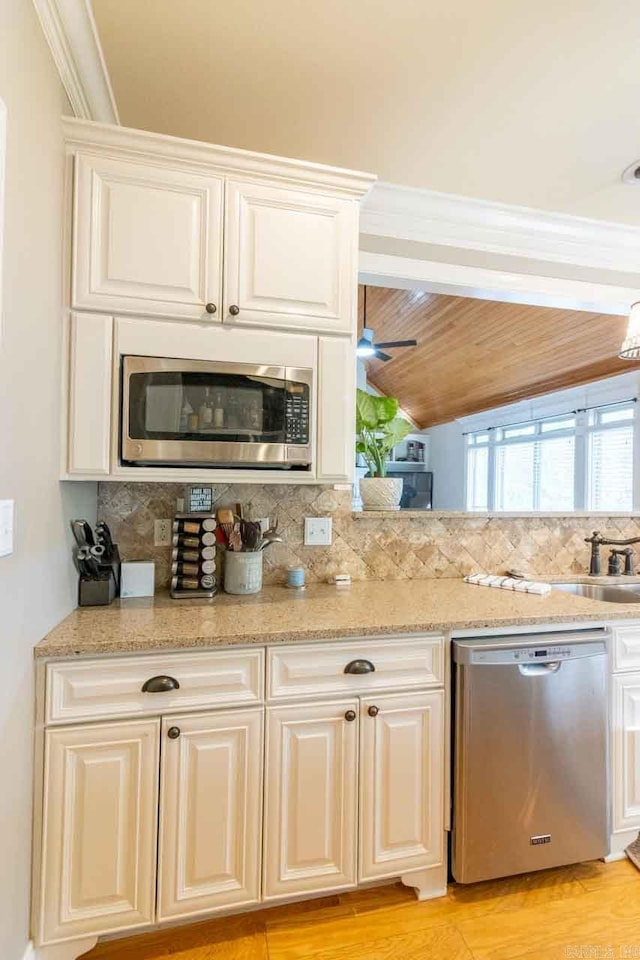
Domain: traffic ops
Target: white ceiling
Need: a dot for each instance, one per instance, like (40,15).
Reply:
(527,103)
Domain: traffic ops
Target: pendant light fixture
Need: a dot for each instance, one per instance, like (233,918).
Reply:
(630,349)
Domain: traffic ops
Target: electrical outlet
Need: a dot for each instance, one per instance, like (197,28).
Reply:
(318,531)
(162,533)
(6,527)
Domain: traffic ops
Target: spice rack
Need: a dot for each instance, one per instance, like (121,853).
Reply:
(193,560)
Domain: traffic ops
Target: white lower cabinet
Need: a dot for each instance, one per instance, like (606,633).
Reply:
(199,810)
(401,784)
(626,751)
(210,812)
(311,797)
(99,829)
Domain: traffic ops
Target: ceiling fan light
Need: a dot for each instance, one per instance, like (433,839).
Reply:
(630,349)
(365,348)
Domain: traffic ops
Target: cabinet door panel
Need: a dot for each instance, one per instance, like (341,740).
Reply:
(336,408)
(100,821)
(89,429)
(311,798)
(402,784)
(290,257)
(210,813)
(147,239)
(626,751)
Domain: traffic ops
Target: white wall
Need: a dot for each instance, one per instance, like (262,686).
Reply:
(36,583)
(446,459)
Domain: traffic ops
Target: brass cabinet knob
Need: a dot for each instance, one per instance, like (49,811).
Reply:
(373,711)
(350,715)
(173,733)
(234,310)
(210,307)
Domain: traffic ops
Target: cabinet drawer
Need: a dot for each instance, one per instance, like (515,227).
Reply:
(306,670)
(94,689)
(626,647)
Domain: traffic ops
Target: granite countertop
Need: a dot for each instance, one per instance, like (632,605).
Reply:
(321,612)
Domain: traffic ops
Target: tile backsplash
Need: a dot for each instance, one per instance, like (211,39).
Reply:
(369,548)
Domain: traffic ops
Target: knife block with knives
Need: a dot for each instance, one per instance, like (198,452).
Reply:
(97,560)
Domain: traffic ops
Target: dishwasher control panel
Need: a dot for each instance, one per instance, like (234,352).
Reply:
(483,653)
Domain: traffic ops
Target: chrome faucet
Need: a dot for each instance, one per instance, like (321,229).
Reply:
(597,540)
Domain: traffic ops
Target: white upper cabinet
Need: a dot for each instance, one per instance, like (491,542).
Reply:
(148,239)
(150,213)
(289,257)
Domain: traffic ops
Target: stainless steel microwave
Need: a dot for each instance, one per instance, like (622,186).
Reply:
(188,413)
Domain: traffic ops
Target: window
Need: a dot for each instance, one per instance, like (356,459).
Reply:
(610,458)
(478,472)
(582,460)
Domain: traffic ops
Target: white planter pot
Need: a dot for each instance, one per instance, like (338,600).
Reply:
(381,493)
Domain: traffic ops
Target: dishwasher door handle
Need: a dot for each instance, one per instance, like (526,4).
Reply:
(539,669)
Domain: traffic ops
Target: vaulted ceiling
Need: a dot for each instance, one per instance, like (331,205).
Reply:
(473,355)
(526,103)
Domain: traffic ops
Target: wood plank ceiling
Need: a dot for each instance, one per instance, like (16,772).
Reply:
(473,355)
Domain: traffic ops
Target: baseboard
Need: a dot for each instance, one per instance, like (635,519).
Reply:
(30,952)
(618,842)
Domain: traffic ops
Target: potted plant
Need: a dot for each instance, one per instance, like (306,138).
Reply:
(378,430)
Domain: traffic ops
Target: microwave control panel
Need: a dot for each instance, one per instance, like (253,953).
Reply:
(297,414)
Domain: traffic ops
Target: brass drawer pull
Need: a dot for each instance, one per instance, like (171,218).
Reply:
(360,666)
(160,684)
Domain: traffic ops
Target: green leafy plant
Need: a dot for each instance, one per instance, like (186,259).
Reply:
(378,430)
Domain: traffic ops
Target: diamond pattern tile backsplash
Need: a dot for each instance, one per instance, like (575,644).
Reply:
(368,548)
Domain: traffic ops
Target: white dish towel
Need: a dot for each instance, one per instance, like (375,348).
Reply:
(509,583)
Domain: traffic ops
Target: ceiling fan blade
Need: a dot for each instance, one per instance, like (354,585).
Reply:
(379,355)
(398,343)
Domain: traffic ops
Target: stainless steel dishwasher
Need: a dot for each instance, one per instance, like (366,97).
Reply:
(530,753)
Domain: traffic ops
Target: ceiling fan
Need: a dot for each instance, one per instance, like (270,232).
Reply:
(367,346)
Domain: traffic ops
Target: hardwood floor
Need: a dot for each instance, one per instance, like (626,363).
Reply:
(586,911)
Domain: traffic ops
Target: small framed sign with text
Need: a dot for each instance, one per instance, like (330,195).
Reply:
(200,500)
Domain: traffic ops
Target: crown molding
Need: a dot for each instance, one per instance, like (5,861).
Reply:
(72,36)
(409,213)
(124,142)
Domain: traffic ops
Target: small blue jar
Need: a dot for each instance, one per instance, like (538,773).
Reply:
(295,577)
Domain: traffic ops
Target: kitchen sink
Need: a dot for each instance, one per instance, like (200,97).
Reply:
(617,593)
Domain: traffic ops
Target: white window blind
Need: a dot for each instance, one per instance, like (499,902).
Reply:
(478,477)
(610,458)
(583,460)
(537,473)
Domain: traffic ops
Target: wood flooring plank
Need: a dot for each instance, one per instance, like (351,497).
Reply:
(442,943)
(597,875)
(602,914)
(239,937)
(299,939)
(540,916)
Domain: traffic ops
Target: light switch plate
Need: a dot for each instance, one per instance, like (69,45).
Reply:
(318,531)
(6,527)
